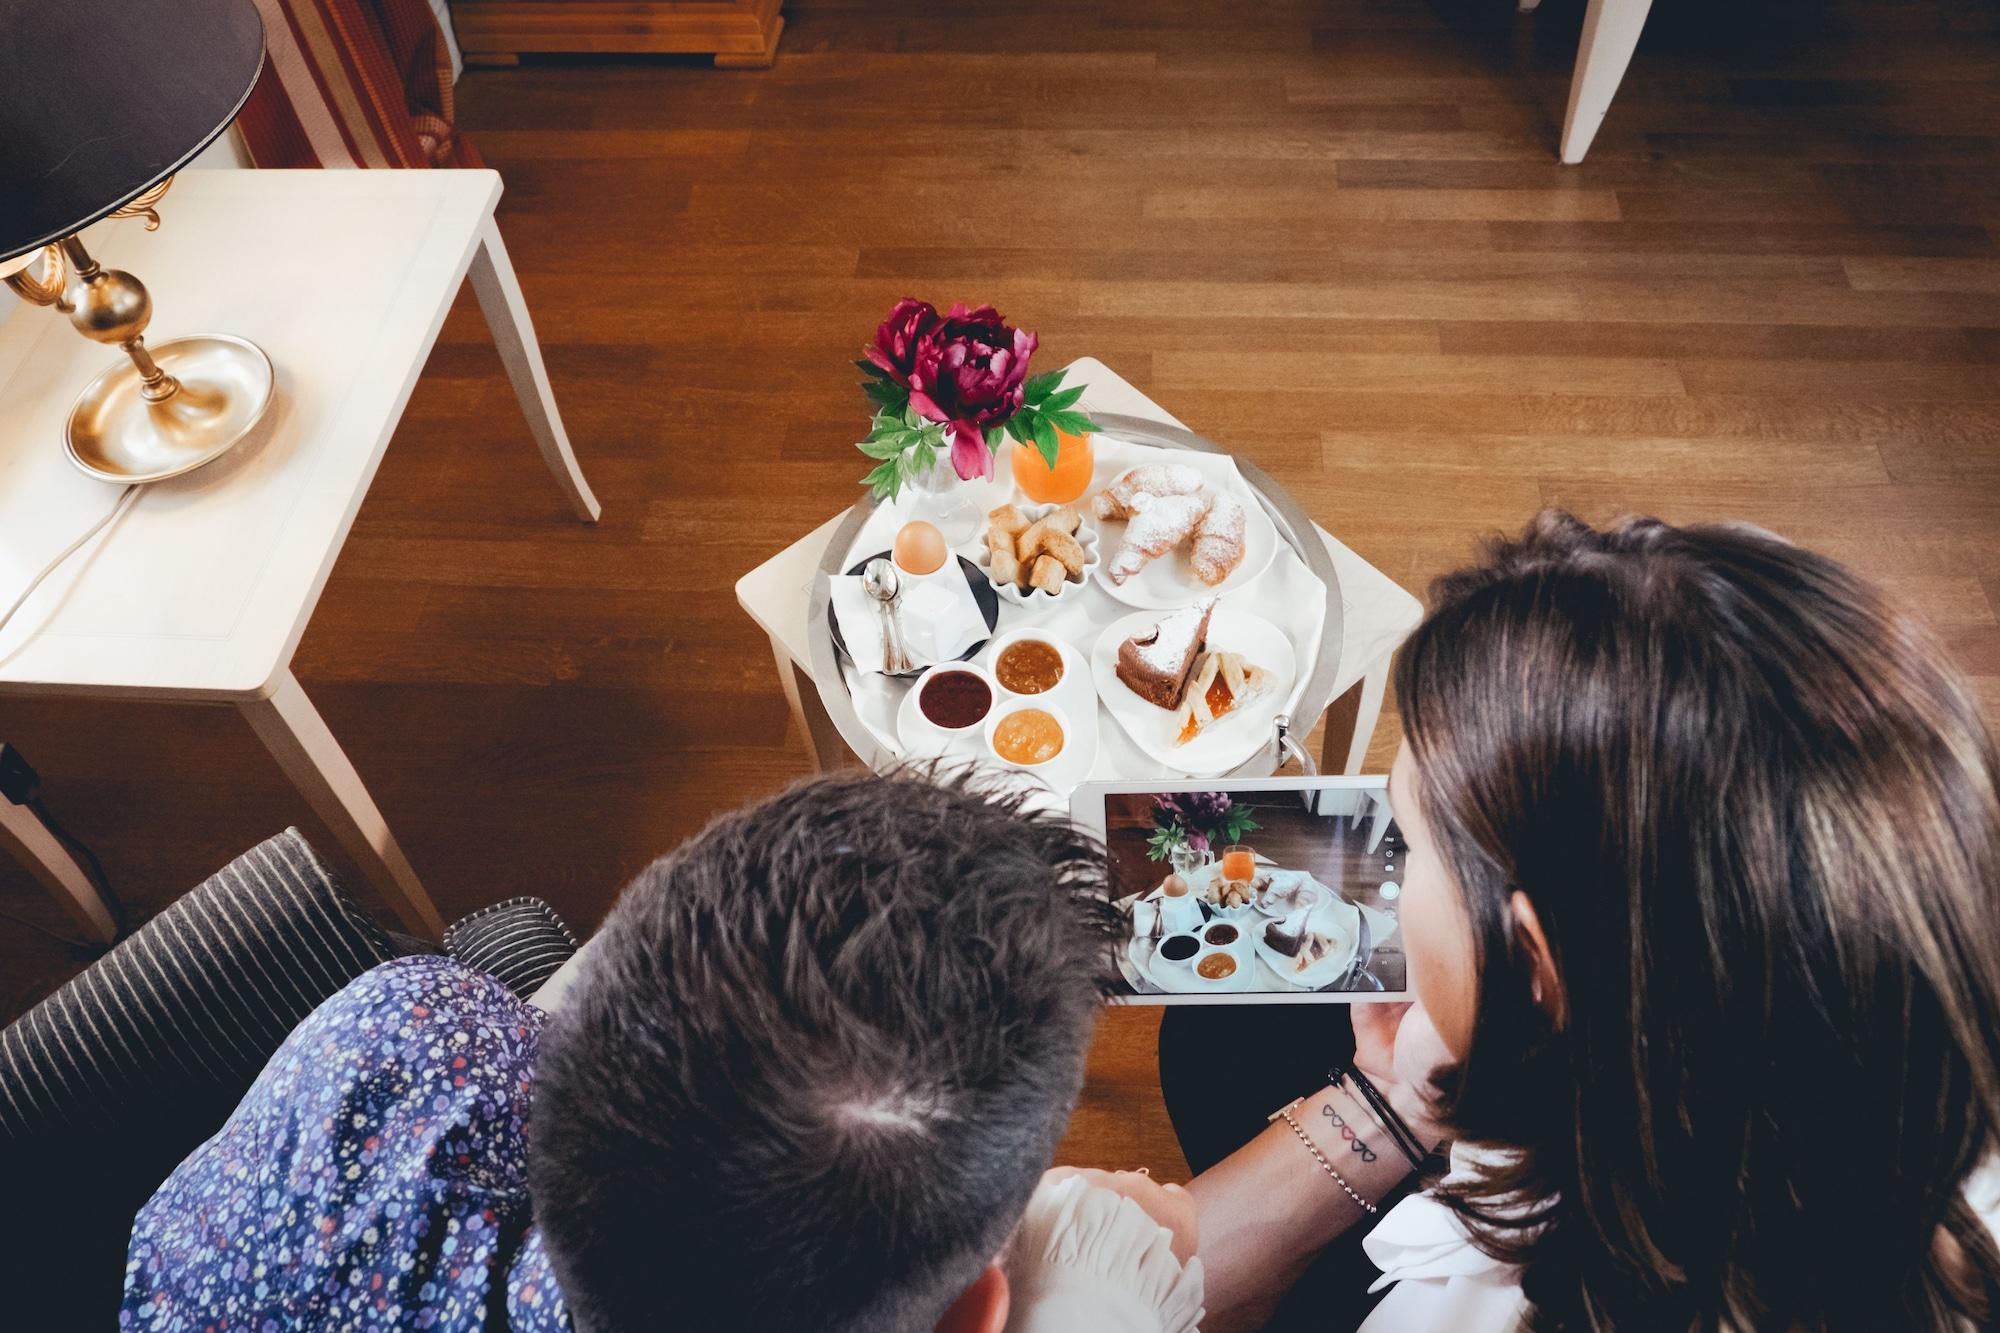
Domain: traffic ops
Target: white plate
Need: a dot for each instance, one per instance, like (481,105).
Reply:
(1328,969)
(1224,744)
(1076,695)
(1169,582)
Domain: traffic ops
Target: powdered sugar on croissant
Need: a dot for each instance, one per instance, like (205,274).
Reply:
(1116,500)
(1159,524)
(1218,540)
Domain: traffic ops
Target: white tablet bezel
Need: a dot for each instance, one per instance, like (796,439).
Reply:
(1086,809)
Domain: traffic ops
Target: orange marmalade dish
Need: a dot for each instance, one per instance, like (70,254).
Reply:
(1030,736)
(1029,666)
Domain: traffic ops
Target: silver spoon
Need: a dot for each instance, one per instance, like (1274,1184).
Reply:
(879,581)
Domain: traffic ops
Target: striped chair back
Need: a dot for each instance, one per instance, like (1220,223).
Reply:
(186,1011)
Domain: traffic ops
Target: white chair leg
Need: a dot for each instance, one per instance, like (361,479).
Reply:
(1610,31)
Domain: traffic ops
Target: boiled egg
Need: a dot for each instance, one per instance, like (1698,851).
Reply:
(920,548)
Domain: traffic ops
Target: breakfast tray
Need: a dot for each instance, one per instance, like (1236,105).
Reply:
(1302,588)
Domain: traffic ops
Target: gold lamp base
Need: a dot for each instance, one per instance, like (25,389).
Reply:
(174,407)
(115,434)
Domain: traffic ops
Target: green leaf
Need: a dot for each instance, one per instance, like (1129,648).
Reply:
(1021,425)
(1061,401)
(885,480)
(1041,386)
(892,396)
(923,457)
(1046,441)
(868,367)
(1074,422)
(881,448)
(995,434)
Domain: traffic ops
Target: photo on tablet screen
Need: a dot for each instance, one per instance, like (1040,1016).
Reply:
(1251,892)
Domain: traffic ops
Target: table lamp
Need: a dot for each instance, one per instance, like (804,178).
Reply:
(101,102)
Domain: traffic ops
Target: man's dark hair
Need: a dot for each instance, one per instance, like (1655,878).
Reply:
(818,1059)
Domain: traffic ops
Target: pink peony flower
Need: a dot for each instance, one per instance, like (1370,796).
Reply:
(895,348)
(969,371)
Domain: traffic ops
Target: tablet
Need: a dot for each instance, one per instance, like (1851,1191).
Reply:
(1253,890)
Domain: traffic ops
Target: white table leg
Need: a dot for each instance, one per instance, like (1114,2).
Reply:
(506,313)
(788,681)
(297,737)
(1610,32)
(50,862)
(1373,686)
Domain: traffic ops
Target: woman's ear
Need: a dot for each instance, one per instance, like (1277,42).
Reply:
(1547,986)
(981,1307)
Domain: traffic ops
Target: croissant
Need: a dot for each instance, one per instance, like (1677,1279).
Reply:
(1117,500)
(1218,540)
(1159,524)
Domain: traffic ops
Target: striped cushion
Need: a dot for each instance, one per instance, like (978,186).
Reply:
(186,1011)
(521,941)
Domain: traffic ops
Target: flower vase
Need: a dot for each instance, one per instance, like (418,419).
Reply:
(1187,860)
(945,502)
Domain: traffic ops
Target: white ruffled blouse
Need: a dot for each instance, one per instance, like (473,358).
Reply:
(1444,1284)
(1088,1258)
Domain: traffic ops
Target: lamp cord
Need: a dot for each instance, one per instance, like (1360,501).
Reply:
(124,502)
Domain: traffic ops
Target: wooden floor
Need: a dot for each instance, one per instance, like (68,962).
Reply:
(1332,234)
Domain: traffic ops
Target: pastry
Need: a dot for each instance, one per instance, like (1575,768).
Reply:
(1000,551)
(1005,519)
(1220,682)
(1288,936)
(1115,500)
(1042,555)
(1159,524)
(1156,665)
(1064,548)
(1218,540)
(1048,574)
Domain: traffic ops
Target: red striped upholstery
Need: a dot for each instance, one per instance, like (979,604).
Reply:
(353,83)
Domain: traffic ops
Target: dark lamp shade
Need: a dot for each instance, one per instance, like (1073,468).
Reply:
(100,99)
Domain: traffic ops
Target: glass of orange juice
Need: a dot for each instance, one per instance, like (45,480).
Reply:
(1057,485)
(1239,864)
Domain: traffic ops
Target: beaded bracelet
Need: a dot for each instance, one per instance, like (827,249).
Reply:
(1285,1112)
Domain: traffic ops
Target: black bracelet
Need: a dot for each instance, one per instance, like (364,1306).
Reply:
(1399,1130)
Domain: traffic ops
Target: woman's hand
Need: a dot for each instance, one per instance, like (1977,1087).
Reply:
(1169,1205)
(1398,1048)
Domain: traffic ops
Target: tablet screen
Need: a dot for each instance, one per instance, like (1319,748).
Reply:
(1254,891)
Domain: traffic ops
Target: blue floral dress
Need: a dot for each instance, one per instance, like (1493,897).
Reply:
(374,1177)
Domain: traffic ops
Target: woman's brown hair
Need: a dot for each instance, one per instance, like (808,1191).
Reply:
(1754,807)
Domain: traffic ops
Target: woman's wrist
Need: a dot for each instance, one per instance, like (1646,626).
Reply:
(1339,1123)
(1403,1113)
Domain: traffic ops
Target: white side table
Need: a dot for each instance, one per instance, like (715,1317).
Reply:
(1377,612)
(201,591)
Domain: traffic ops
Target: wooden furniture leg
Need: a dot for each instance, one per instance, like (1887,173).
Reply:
(297,737)
(50,862)
(506,311)
(1610,32)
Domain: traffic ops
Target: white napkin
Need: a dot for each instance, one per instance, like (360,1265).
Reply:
(939,617)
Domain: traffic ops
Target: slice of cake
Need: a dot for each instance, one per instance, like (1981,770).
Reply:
(1156,665)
